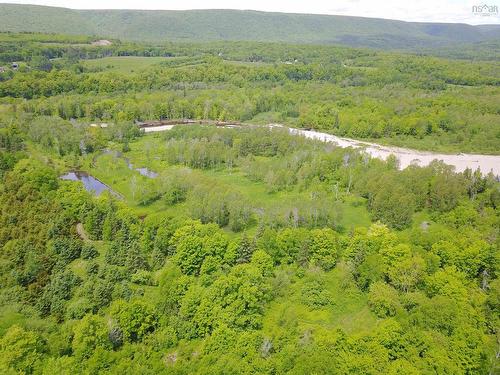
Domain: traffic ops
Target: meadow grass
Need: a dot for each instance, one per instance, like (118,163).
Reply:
(125,64)
(114,171)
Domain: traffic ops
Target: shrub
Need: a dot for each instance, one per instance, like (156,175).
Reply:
(89,251)
(315,295)
(383,299)
(142,277)
(135,319)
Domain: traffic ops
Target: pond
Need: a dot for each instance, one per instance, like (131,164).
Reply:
(143,171)
(90,183)
(146,172)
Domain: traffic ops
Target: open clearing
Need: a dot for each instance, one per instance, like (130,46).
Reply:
(114,172)
(124,64)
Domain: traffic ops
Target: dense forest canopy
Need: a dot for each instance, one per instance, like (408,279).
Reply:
(247,249)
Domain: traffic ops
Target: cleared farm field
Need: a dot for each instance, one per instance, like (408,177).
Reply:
(125,64)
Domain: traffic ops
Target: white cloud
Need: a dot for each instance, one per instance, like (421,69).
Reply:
(421,11)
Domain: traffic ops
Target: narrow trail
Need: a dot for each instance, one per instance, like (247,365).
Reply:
(82,233)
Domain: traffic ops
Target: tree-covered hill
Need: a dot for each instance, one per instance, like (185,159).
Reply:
(211,25)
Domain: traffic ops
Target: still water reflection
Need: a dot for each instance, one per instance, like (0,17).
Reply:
(90,183)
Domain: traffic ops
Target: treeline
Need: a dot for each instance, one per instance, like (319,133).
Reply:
(59,137)
(443,121)
(25,45)
(403,99)
(278,160)
(431,75)
(282,162)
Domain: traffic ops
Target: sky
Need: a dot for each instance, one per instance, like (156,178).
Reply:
(406,10)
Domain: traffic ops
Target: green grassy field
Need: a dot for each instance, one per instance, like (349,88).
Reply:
(114,171)
(125,64)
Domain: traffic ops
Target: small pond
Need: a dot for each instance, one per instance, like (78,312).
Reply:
(143,171)
(90,183)
(146,172)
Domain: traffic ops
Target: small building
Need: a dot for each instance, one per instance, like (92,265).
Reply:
(2,69)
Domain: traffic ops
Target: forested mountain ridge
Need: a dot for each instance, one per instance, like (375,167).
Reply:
(212,25)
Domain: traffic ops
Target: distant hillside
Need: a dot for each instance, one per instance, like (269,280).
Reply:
(210,25)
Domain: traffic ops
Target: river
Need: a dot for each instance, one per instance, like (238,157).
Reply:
(406,156)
